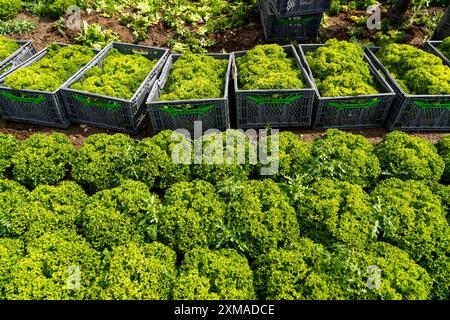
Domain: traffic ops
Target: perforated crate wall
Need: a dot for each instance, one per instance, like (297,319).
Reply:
(213,113)
(282,29)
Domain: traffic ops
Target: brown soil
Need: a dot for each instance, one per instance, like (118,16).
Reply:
(339,25)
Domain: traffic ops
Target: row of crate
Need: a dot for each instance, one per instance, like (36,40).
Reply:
(249,108)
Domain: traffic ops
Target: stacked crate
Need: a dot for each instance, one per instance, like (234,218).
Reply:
(285,20)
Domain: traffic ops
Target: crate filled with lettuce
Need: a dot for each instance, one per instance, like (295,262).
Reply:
(110,92)
(31,93)
(421,82)
(192,87)
(440,49)
(301,27)
(350,93)
(287,8)
(13,53)
(271,88)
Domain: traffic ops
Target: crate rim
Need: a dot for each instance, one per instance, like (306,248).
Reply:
(177,102)
(34,59)
(299,65)
(90,65)
(22,43)
(436,51)
(404,94)
(380,79)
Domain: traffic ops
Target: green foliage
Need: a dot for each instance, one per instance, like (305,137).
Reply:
(390,272)
(336,212)
(258,218)
(411,217)
(43,159)
(9,9)
(340,69)
(139,272)
(191,217)
(444,47)
(7,47)
(414,219)
(120,76)
(406,157)
(50,209)
(32,220)
(12,196)
(338,6)
(54,8)
(344,156)
(217,274)
(9,145)
(66,194)
(48,270)
(443,147)
(195,77)
(416,71)
(94,36)
(173,146)
(50,72)
(104,161)
(393,244)
(293,273)
(16,26)
(392,36)
(225,155)
(268,67)
(11,251)
(120,215)
(293,155)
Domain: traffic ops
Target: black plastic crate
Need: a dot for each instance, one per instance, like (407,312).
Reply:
(213,113)
(281,29)
(277,108)
(22,54)
(110,112)
(362,111)
(432,47)
(414,112)
(286,8)
(33,106)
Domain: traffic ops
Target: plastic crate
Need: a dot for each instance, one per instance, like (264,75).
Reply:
(432,47)
(277,108)
(414,112)
(213,113)
(280,29)
(22,54)
(286,8)
(362,111)
(33,106)
(110,112)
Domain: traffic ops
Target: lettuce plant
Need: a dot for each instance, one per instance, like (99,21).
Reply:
(50,72)
(268,67)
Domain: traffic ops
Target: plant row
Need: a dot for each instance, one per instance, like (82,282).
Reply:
(335,208)
(106,160)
